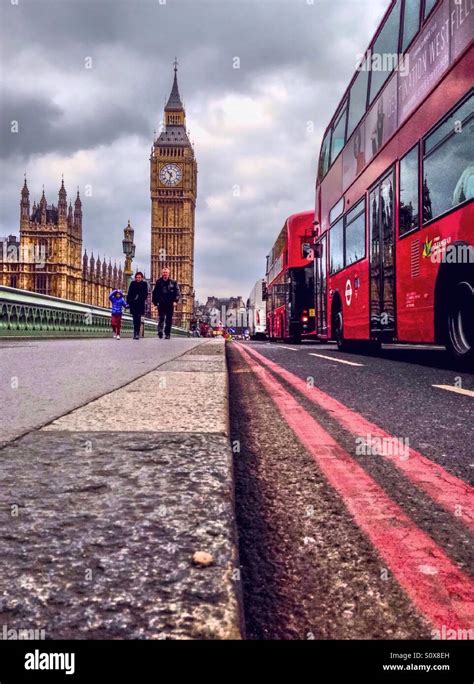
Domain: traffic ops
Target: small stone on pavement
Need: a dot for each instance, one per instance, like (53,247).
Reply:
(202,558)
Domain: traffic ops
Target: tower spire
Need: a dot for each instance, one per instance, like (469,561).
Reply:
(174,101)
(24,191)
(78,212)
(25,204)
(62,204)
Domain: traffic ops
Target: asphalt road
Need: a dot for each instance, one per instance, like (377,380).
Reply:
(41,380)
(397,390)
(310,565)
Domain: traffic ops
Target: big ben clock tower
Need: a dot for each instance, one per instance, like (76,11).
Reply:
(173,187)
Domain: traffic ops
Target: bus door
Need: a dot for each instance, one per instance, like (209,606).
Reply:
(320,265)
(382,258)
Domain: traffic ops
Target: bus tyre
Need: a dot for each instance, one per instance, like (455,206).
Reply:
(338,323)
(294,338)
(460,321)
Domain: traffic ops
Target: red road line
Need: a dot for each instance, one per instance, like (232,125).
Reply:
(450,492)
(438,589)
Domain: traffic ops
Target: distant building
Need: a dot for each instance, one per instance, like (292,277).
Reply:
(225,311)
(48,257)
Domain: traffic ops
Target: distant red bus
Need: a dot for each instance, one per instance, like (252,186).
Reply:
(290,281)
(394,257)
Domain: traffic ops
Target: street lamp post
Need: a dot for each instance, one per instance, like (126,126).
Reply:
(129,251)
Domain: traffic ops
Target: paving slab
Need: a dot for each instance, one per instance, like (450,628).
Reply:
(212,346)
(194,364)
(158,402)
(43,379)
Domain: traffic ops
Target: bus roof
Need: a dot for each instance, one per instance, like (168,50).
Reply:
(356,73)
(290,239)
(297,220)
(389,86)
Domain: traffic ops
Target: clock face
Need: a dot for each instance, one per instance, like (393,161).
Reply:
(171,174)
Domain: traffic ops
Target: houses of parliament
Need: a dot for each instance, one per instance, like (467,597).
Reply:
(48,258)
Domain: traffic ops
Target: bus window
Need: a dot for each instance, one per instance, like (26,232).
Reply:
(355,234)
(306,250)
(339,134)
(301,289)
(336,247)
(445,129)
(358,99)
(385,52)
(448,168)
(409,203)
(429,4)
(324,159)
(411,22)
(336,211)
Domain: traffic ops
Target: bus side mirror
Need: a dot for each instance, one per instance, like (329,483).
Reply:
(264,292)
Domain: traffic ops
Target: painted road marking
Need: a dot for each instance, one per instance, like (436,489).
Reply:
(450,492)
(413,347)
(456,390)
(444,595)
(331,358)
(289,348)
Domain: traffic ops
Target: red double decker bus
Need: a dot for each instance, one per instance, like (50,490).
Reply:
(290,281)
(394,257)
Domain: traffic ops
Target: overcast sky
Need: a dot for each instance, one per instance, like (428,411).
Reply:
(258,127)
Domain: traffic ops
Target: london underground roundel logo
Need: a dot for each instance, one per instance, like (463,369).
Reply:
(348,293)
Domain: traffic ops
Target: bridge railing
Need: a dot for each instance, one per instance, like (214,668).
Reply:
(28,314)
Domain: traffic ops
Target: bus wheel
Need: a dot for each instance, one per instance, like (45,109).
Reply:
(338,327)
(460,337)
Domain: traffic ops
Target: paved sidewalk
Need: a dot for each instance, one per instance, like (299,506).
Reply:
(44,379)
(102,511)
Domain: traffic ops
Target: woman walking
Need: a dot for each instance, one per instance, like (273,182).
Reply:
(136,299)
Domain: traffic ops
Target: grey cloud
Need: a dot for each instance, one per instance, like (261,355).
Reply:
(43,126)
(311,50)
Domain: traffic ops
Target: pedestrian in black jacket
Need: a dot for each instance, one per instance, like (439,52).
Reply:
(165,296)
(136,299)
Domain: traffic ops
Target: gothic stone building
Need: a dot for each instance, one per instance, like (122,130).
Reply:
(48,256)
(173,188)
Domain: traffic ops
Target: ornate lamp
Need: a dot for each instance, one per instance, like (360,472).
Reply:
(129,251)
